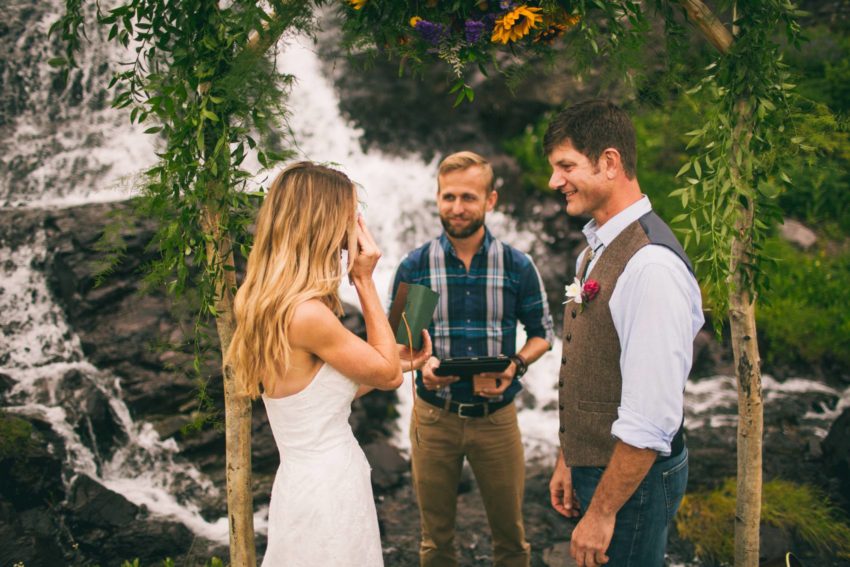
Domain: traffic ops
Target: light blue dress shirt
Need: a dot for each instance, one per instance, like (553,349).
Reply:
(657,311)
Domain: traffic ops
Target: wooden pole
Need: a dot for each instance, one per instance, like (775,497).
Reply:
(742,324)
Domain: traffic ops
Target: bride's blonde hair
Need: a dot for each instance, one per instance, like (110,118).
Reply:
(307,217)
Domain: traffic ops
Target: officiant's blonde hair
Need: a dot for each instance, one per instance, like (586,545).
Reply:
(307,217)
(460,161)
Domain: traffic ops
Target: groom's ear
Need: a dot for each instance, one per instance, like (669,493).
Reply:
(611,163)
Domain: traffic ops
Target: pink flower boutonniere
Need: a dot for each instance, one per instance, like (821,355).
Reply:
(582,293)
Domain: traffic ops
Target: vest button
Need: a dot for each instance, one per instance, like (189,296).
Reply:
(574,313)
(561,407)
(563,360)
(560,382)
(563,429)
(569,337)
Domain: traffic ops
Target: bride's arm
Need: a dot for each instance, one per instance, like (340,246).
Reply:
(374,362)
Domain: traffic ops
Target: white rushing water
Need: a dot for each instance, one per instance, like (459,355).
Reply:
(399,205)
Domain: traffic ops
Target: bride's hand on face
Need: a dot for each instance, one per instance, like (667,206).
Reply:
(367,255)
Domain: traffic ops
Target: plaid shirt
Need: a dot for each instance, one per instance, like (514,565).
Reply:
(478,310)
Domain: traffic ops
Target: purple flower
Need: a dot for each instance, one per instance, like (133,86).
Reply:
(506,5)
(473,30)
(430,32)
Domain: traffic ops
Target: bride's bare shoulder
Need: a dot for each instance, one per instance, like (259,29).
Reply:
(311,320)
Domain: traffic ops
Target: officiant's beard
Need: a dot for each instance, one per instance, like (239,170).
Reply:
(465,231)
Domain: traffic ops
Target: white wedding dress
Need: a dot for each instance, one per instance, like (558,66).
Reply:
(322,513)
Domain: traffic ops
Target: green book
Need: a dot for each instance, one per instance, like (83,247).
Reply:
(417,302)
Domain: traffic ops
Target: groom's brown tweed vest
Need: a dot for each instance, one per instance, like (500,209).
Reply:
(590,382)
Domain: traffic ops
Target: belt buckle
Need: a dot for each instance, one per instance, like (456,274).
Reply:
(460,406)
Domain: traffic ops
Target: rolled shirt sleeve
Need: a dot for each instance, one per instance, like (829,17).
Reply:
(533,305)
(657,311)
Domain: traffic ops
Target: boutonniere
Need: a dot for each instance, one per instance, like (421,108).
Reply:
(581,293)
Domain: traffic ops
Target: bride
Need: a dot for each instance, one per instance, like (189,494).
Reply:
(290,344)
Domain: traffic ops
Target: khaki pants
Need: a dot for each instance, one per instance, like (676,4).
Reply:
(440,440)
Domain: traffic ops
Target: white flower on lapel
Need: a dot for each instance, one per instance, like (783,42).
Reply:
(573,292)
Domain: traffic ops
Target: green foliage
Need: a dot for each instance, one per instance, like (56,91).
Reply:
(707,519)
(527,149)
(804,318)
(819,195)
(111,246)
(419,33)
(200,76)
(802,290)
(14,436)
(740,150)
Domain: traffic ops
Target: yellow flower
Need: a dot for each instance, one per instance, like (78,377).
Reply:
(516,24)
(414,20)
(358,4)
(555,28)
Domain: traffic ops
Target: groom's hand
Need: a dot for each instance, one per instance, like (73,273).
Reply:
(591,538)
(562,496)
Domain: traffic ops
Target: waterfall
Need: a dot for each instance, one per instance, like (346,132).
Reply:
(85,152)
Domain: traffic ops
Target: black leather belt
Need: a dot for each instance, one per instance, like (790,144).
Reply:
(676,446)
(463,409)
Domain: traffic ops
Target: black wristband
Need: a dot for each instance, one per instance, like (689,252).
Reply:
(521,365)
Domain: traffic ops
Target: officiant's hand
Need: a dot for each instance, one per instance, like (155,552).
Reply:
(431,380)
(419,358)
(503,379)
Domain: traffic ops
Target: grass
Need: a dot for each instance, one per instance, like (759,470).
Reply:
(707,519)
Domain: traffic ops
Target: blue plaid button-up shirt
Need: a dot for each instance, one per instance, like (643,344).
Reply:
(478,310)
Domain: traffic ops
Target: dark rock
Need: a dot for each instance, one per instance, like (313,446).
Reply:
(30,538)
(710,356)
(388,465)
(836,452)
(773,542)
(30,463)
(6,383)
(95,505)
(97,424)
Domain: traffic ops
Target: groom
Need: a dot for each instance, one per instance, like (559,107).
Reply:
(629,327)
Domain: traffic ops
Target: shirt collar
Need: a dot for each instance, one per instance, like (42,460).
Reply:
(604,235)
(449,249)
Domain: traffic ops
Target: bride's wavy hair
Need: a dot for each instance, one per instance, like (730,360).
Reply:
(308,216)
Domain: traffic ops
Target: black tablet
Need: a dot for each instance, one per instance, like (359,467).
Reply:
(467,366)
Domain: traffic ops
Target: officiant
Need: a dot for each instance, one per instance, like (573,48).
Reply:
(486,288)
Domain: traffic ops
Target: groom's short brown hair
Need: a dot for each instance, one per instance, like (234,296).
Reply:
(591,127)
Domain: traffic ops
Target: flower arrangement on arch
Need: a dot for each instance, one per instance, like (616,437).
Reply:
(466,34)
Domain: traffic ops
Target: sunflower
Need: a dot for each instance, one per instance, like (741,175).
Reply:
(555,28)
(516,24)
(357,4)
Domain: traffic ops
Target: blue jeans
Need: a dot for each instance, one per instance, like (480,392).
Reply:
(640,534)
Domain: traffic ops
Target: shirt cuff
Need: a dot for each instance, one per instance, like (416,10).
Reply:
(634,429)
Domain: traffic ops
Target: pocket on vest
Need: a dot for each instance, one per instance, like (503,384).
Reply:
(598,407)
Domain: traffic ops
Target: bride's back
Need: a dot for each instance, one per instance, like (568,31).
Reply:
(315,419)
